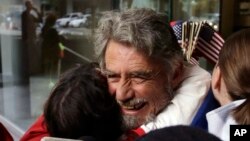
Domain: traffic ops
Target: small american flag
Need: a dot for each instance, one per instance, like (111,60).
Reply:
(205,40)
(209,43)
(177,27)
(179,33)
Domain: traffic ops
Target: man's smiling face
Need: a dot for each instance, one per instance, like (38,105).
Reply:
(137,82)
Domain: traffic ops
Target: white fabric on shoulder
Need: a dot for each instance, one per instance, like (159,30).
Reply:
(187,100)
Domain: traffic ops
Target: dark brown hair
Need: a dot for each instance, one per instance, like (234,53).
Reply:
(234,63)
(80,105)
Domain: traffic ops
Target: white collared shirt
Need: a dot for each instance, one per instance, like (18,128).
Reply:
(220,119)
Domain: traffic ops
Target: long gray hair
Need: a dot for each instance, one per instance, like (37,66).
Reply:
(144,29)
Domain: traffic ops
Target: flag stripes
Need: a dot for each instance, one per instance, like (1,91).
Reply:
(200,36)
(209,43)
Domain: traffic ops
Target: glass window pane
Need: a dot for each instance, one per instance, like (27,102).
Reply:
(208,10)
(56,35)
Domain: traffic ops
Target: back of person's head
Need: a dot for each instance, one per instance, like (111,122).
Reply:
(143,29)
(234,63)
(28,4)
(80,105)
(178,133)
(50,19)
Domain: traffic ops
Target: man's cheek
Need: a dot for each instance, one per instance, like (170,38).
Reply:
(112,89)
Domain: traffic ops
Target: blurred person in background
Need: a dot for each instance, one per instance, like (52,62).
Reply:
(30,19)
(50,41)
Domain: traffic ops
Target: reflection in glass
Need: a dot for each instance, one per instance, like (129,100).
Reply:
(208,10)
(76,22)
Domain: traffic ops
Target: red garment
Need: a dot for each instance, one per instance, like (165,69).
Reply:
(4,134)
(37,131)
(139,131)
(133,134)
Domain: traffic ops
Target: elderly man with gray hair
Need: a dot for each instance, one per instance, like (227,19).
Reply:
(146,71)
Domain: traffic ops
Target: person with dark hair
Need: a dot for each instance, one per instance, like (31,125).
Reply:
(178,133)
(138,53)
(231,85)
(50,46)
(80,106)
(30,19)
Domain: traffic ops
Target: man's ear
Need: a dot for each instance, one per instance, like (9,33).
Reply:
(216,80)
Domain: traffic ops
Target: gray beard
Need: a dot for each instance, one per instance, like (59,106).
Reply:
(132,122)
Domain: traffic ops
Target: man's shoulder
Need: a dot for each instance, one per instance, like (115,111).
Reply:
(195,73)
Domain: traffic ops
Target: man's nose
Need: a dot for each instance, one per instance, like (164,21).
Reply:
(124,91)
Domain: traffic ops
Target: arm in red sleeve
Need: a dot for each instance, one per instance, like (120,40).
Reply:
(37,131)
(4,134)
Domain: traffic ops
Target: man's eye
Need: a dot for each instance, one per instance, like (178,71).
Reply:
(112,78)
(139,80)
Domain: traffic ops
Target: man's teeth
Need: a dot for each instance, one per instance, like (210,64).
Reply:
(133,107)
